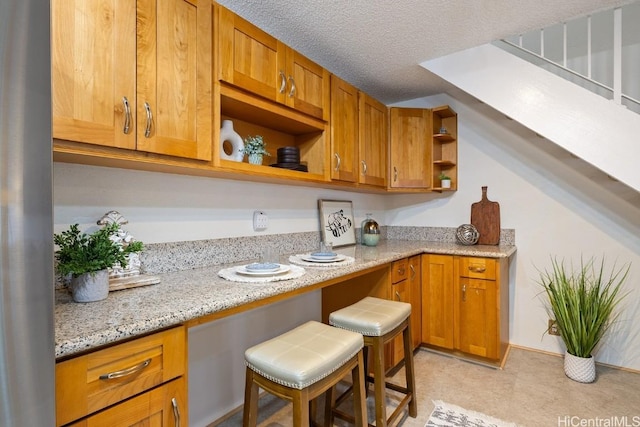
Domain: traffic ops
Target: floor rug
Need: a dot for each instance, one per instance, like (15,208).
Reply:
(448,415)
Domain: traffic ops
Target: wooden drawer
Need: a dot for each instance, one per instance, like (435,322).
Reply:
(399,271)
(478,268)
(88,383)
(162,406)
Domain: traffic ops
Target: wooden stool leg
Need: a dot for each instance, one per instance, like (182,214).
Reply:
(250,413)
(301,408)
(379,382)
(359,380)
(409,372)
(329,403)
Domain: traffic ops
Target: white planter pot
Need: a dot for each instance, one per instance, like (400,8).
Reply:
(445,183)
(255,159)
(581,369)
(90,287)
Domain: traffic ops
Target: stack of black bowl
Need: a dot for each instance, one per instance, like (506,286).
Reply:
(289,158)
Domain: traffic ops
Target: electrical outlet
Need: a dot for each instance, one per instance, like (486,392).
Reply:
(260,221)
(553,328)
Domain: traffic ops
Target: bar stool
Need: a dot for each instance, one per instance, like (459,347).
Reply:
(301,364)
(379,321)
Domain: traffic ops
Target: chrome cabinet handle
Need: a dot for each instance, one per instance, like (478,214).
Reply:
(364,167)
(147,129)
(125,372)
(283,82)
(464,293)
(395,174)
(176,412)
(413,271)
(477,268)
(127,115)
(292,91)
(398,296)
(338,161)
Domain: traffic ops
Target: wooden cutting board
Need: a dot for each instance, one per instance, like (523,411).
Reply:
(485,216)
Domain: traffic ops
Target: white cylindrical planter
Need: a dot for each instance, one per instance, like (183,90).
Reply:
(255,159)
(228,134)
(90,287)
(445,183)
(581,369)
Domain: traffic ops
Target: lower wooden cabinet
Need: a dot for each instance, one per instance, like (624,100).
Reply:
(126,383)
(465,305)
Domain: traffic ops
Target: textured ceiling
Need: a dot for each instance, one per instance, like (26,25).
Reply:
(376,45)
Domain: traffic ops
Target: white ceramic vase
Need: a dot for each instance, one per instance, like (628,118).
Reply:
(581,369)
(445,183)
(234,140)
(90,287)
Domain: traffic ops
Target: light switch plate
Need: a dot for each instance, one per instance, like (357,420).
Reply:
(260,221)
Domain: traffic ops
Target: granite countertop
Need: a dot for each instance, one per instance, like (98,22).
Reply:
(189,294)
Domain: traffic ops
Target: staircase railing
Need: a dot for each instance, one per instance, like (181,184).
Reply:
(590,58)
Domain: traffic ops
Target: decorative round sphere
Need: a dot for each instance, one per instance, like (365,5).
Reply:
(467,234)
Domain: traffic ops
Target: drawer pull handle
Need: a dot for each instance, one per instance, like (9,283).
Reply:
(126,371)
(292,91)
(413,271)
(127,115)
(477,268)
(464,293)
(176,412)
(283,82)
(147,129)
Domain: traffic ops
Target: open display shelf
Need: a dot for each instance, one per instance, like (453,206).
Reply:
(444,147)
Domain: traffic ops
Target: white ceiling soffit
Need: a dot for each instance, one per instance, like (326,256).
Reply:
(377,45)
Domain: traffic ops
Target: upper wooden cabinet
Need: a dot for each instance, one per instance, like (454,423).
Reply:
(344,131)
(359,137)
(133,75)
(257,62)
(410,148)
(373,141)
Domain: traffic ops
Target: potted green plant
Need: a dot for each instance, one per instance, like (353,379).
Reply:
(584,305)
(255,148)
(445,180)
(87,257)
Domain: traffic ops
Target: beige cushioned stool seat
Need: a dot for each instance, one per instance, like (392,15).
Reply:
(371,316)
(303,355)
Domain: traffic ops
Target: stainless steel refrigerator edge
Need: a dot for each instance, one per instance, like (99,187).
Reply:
(27,356)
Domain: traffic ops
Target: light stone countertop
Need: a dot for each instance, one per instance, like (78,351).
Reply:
(189,294)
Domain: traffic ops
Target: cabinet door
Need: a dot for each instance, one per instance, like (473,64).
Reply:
(476,314)
(415,287)
(410,148)
(307,87)
(373,141)
(174,77)
(248,57)
(164,406)
(93,58)
(437,300)
(344,130)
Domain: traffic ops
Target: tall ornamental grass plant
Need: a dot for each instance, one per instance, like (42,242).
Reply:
(584,302)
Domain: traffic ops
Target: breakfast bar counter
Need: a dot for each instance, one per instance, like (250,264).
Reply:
(199,295)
